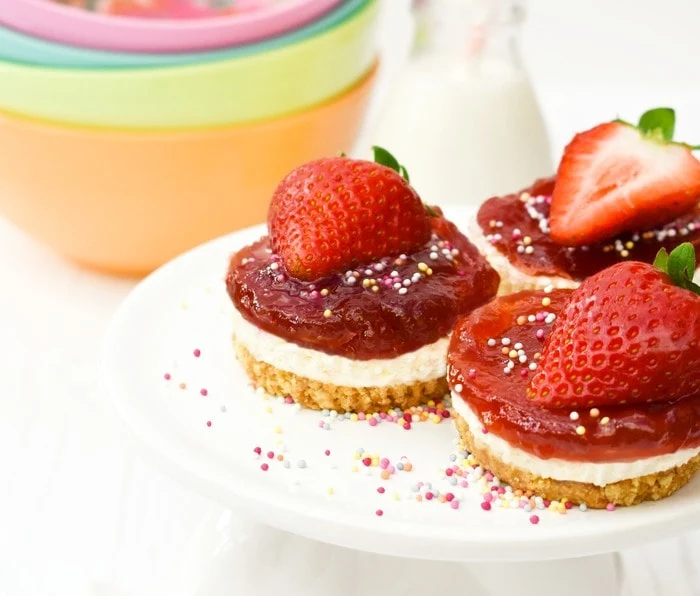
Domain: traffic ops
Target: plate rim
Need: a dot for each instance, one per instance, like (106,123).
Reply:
(276,510)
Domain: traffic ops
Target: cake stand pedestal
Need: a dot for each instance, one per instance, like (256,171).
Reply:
(225,548)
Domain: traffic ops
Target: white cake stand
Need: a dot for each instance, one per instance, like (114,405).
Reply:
(182,308)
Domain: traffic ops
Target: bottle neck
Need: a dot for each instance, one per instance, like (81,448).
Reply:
(469,30)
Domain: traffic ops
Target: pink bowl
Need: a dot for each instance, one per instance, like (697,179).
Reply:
(77,27)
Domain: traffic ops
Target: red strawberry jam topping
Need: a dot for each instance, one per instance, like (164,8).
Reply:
(518,226)
(382,309)
(493,354)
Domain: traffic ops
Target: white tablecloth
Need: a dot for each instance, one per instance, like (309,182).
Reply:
(82,514)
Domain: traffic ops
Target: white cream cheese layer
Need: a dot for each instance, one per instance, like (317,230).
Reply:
(425,364)
(512,279)
(599,474)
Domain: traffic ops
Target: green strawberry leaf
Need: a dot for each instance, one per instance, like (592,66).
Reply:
(619,120)
(659,123)
(679,265)
(430,210)
(661,260)
(383,157)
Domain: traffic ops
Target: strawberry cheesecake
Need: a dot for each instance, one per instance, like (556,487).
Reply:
(592,394)
(621,193)
(349,301)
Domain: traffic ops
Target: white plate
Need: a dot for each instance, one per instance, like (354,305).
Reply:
(183,307)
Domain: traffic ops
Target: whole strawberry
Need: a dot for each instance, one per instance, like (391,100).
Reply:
(329,215)
(629,334)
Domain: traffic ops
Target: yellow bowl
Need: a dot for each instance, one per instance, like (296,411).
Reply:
(127,201)
(213,93)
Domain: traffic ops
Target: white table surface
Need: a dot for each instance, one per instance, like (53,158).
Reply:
(82,514)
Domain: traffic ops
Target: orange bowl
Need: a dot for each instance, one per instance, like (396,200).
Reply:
(127,201)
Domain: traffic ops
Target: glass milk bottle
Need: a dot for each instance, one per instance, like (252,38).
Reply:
(462,116)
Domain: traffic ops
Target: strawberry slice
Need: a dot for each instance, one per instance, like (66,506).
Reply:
(629,334)
(617,177)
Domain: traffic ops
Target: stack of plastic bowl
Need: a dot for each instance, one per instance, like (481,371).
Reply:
(124,141)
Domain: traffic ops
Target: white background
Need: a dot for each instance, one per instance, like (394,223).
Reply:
(80,514)
(593,58)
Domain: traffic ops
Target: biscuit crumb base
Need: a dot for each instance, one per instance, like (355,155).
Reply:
(319,396)
(632,491)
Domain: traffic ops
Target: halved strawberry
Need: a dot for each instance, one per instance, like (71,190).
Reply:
(331,214)
(617,177)
(629,334)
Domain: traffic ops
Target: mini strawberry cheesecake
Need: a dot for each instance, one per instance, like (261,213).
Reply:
(592,394)
(349,302)
(621,193)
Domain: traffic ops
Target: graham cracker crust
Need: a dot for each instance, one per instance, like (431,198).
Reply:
(318,396)
(633,491)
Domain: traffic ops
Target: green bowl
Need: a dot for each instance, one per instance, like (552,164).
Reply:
(236,90)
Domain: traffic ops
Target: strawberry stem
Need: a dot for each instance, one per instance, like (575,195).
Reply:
(679,266)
